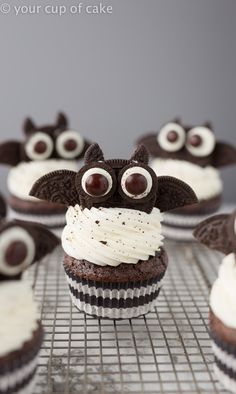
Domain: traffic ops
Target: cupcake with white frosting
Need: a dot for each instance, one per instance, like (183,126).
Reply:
(219,232)
(45,149)
(193,155)
(21,332)
(115,260)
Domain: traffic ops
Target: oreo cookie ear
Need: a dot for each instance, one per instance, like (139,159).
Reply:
(140,155)
(93,154)
(62,121)
(28,126)
(173,193)
(57,187)
(224,155)
(10,153)
(3,207)
(150,143)
(45,240)
(212,233)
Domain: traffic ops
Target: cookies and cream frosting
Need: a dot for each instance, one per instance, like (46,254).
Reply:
(223,294)
(111,236)
(205,181)
(22,177)
(18,315)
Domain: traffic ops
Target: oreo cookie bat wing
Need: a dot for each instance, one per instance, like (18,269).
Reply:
(10,152)
(212,232)
(224,155)
(173,193)
(57,187)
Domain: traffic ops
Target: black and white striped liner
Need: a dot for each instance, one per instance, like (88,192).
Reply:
(18,376)
(114,300)
(225,365)
(21,379)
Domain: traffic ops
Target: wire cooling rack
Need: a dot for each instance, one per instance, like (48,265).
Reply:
(166,351)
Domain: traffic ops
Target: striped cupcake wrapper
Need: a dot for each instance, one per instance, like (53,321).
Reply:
(225,363)
(113,300)
(18,375)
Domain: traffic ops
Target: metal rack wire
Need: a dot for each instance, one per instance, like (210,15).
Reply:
(166,351)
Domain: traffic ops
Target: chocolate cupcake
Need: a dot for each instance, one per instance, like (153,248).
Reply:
(193,155)
(115,261)
(219,232)
(45,149)
(21,333)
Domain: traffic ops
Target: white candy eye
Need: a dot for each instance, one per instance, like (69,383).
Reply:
(97,182)
(200,141)
(17,251)
(136,182)
(69,144)
(39,146)
(171,137)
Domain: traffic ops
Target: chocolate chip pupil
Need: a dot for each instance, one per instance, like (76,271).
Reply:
(40,147)
(172,136)
(70,145)
(136,184)
(195,140)
(96,185)
(16,253)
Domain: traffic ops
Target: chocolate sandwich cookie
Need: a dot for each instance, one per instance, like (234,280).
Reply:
(44,149)
(193,155)
(114,259)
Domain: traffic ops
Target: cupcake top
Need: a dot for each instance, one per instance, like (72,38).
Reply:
(219,233)
(24,175)
(115,206)
(43,143)
(21,244)
(19,315)
(223,294)
(197,145)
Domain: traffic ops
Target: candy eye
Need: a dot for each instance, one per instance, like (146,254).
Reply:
(97,182)
(136,182)
(39,146)
(17,251)
(69,144)
(200,141)
(171,137)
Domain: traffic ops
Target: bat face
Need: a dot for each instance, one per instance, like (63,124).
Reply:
(196,145)
(114,183)
(22,244)
(218,232)
(43,143)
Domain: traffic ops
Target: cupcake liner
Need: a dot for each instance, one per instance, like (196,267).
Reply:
(17,372)
(225,363)
(54,222)
(114,300)
(178,233)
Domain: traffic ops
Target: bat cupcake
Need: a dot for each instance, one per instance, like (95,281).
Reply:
(44,149)
(115,260)
(193,155)
(21,333)
(219,233)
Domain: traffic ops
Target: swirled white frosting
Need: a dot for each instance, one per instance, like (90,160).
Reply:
(18,315)
(206,182)
(22,177)
(110,236)
(223,294)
